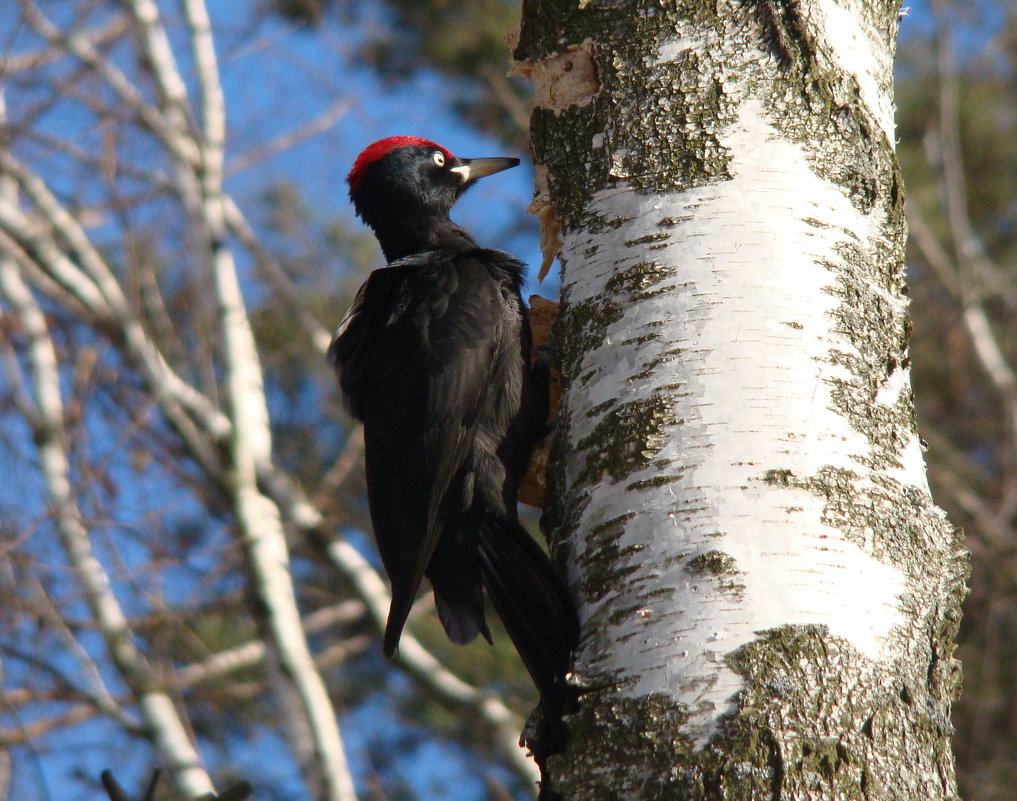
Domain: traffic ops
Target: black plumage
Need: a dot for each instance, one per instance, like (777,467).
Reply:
(433,357)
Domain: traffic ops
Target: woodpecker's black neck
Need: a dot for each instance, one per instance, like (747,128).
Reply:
(404,235)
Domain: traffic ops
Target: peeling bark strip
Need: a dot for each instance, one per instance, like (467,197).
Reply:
(769,595)
(550,226)
(564,79)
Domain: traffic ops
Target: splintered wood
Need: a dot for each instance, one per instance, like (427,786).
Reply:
(542,316)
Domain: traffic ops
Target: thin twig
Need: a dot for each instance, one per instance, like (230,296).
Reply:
(96,37)
(284,141)
(283,287)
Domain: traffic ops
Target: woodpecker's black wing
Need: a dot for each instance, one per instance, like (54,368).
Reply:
(414,358)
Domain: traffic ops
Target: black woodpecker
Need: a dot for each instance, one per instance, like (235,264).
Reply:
(434,358)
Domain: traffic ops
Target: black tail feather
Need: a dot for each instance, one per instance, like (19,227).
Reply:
(538,614)
(454,571)
(462,620)
(398,612)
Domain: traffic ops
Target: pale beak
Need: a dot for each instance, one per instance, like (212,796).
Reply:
(472,169)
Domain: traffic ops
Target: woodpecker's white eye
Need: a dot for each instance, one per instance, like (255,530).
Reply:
(439,158)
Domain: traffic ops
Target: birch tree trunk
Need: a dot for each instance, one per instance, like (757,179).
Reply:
(769,595)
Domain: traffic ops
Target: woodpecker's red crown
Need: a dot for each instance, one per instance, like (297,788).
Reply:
(382,148)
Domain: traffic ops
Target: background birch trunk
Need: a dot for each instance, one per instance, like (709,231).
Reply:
(769,595)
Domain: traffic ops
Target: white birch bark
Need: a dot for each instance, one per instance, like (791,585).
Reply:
(768,593)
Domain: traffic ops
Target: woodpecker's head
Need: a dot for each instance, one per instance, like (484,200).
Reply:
(405,186)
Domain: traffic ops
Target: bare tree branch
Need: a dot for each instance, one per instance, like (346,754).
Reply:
(253,652)
(970,254)
(106,33)
(156,708)
(280,144)
(316,333)
(80,46)
(257,516)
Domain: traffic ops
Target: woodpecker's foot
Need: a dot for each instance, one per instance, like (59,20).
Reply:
(581,685)
(544,738)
